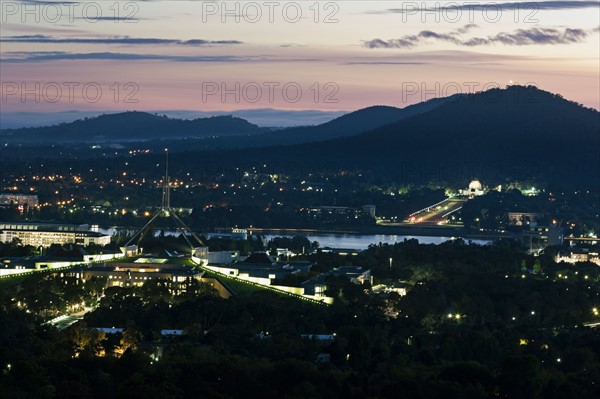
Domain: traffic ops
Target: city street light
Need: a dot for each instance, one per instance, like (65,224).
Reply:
(390,263)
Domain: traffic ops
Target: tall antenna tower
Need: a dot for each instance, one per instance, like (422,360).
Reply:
(196,245)
(166,194)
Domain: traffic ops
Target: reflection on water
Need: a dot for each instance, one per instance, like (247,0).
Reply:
(345,241)
(362,241)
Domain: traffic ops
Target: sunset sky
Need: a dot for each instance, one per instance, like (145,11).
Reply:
(179,55)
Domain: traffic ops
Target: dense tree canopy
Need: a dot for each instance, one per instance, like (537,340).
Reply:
(477,322)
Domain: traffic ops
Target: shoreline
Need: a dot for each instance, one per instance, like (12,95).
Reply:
(401,230)
(429,231)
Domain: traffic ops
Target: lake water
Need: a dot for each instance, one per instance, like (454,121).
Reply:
(345,241)
(362,241)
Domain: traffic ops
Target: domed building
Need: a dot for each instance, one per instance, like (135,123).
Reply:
(475,185)
(475,189)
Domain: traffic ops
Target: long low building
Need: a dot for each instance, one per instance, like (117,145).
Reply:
(134,274)
(578,256)
(44,234)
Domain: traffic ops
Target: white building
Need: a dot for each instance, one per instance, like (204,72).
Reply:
(575,257)
(25,200)
(475,189)
(46,234)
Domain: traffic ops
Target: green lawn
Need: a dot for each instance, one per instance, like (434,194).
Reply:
(245,288)
(10,281)
(239,287)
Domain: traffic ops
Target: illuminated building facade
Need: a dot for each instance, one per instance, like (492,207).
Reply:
(363,211)
(475,189)
(24,200)
(46,234)
(523,218)
(536,238)
(578,256)
(176,277)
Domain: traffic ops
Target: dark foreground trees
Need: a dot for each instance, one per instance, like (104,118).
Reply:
(452,336)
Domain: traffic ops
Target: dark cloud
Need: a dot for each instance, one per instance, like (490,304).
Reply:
(520,37)
(484,6)
(466,28)
(407,42)
(524,37)
(17,57)
(42,56)
(114,40)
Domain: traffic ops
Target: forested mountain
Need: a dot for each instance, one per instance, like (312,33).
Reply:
(501,132)
(132,126)
(216,131)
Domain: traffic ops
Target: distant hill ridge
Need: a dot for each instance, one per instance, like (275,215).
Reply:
(137,126)
(517,132)
(133,125)
(520,131)
(353,123)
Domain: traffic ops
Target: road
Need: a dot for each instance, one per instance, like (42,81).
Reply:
(437,214)
(67,320)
